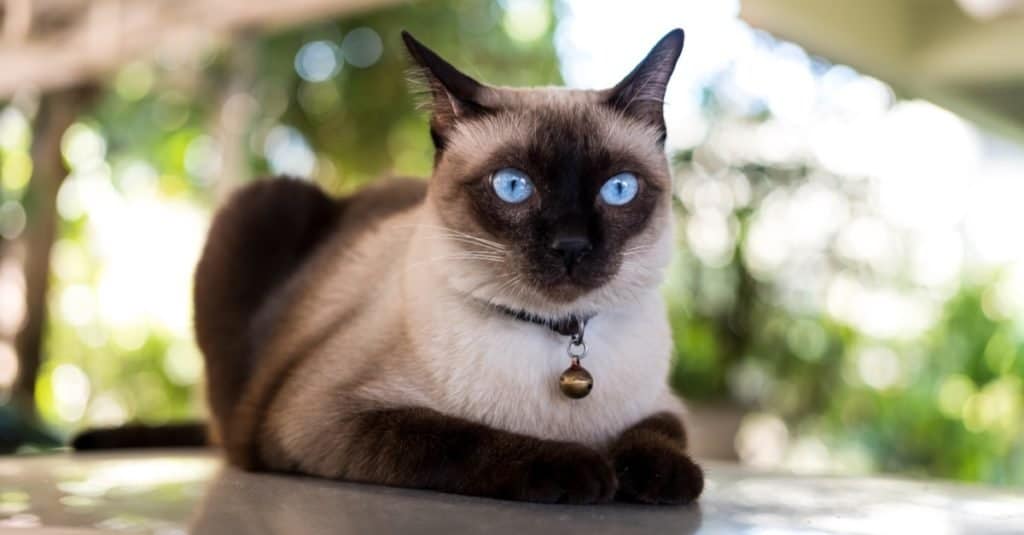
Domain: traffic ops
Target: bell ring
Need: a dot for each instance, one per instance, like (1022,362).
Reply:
(577,349)
(576,382)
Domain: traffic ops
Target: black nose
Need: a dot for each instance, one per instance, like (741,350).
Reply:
(572,247)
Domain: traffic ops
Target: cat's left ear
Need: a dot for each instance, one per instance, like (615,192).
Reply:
(641,93)
(454,95)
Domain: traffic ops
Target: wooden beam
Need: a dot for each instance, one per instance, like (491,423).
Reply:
(974,52)
(872,36)
(106,34)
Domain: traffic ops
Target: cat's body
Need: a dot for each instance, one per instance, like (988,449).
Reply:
(365,338)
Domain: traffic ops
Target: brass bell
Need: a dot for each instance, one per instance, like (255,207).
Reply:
(576,382)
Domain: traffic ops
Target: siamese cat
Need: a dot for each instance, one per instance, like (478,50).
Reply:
(413,334)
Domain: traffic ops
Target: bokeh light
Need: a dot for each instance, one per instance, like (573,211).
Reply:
(12,219)
(526,20)
(134,81)
(361,47)
(317,61)
(71,392)
(288,152)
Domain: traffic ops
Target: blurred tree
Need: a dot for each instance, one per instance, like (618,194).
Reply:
(57,111)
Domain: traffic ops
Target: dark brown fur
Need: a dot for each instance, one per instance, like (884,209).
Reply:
(424,449)
(256,241)
(262,235)
(143,436)
(652,465)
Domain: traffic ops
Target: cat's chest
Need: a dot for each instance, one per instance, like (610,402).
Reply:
(505,372)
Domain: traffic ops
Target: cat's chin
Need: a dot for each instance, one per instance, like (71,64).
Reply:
(564,290)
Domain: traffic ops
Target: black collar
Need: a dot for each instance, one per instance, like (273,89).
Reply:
(570,325)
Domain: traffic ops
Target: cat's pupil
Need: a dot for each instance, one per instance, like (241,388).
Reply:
(511,186)
(619,189)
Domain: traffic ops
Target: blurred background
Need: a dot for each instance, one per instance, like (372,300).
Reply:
(848,293)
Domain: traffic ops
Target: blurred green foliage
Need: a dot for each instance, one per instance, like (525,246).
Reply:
(948,402)
(952,409)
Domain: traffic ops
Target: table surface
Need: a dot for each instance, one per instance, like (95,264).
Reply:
(185,491)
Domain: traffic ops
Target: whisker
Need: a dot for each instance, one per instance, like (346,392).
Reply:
(452,233)
(640,249)
(481,245)
(510,283)
(459,256)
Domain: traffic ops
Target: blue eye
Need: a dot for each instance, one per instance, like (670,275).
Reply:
(512,185)
(620,189)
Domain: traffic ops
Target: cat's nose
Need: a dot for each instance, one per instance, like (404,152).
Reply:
(572,248)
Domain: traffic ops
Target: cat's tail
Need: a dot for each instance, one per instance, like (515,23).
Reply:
(180,435)
(258,239)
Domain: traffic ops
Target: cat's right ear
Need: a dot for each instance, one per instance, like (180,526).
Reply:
(453,94)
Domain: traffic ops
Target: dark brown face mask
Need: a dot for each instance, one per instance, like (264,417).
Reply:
(568,237)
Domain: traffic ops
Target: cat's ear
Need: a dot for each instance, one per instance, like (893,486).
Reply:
(641,93)
(453,94)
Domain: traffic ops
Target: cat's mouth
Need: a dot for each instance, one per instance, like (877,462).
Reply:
(566,284)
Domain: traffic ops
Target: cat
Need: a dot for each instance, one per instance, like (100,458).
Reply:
(413,334)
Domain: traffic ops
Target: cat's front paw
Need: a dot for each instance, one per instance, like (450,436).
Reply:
(657,472)
(564,473)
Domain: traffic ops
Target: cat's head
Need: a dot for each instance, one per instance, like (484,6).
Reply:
(550,199)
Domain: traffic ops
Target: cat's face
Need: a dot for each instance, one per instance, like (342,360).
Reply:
(551,199)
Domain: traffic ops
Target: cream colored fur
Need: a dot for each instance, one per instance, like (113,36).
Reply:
(503,372)
(445,352)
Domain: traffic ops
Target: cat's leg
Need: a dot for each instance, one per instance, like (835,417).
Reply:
(421,448)
(652,465)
